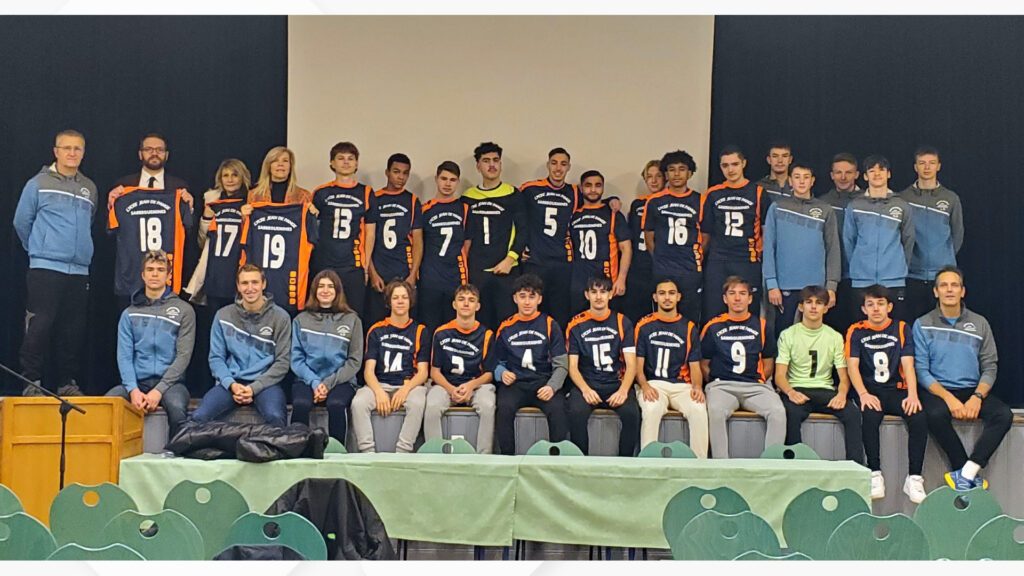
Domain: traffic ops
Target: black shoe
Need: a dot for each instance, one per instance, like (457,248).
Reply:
(70,389)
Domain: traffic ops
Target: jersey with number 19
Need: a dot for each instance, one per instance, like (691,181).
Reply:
(279,239)
(461,355)
(397,350)
(342,225)
(147,219)
(880,350)
(736,347)
(225,247)
(667,347)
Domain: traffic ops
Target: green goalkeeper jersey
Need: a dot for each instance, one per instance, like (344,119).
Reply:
(811,355)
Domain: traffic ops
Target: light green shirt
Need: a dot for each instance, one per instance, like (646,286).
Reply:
(810,355)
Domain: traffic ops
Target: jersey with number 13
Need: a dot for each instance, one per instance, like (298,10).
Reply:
(342,230)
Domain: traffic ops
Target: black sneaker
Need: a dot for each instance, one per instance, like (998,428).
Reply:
(70,389)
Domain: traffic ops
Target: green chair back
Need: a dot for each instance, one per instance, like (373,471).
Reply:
(688,503)
(335,447)
(164,536)
(714,536)
(446,446)
(212,507)
(945,508)
(110,552)
(799,451)
(288,529)
(9,502)
(813,515)
(760,556)
(674,449)
(868,537)
(22,537)
(546,448)
(79,513)
(996,540)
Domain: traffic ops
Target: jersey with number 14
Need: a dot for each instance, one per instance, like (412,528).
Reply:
(880,351)
(397,350)
(461,355)
(667,347)
(342,231)
(147,219)
(733,215)
(444,232)
(527,345)
(225,247)
(675,221)
(736,347)
(279,239)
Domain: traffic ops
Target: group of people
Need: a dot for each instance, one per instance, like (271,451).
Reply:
(667,298)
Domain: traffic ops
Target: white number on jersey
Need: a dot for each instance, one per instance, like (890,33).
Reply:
(602,354)
(734,224)
(677,231)
(447,233)
(390,238)
(739,356)
(487,230)
(149,234)
(528,360)
(342,223)
(392,363)
(881,361)
(661,363)
(458,364)
(588,244)
(226,234)
(550,224)
(273,251)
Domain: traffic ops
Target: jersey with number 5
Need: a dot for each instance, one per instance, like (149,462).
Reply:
(675,221)
(397,350)
(342,225)
(879,351)
(461,354)
(444,232)
(550,210)
(527,345)
(225,247)
(733,215)
(736,347)
(147,219)
(667,347)
(279,239)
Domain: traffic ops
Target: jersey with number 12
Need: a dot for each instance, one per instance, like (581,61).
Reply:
(733,215)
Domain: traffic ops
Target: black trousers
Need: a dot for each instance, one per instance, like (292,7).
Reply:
(899,305)
(556,289)
(917,425)
(511,399)
(994,414)
(639,288)
(839,316)
(338,401)
(715,273)
(496,303)
(434,306)
(787,316)
(55,312)
(629,414)
(353,283)
(920,298)
(849,416)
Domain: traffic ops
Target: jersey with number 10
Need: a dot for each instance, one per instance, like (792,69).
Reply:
(736,347)
(225,247)
(147,219)
(444,232)
(667,347)
(397,350)
(342,231)
(461,355)
(596,232)
(600,344)
(279,239)
(550,210)
(527,345)
(675,221)
(880,351)
(733,215)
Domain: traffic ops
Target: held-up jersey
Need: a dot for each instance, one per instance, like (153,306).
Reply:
(225,247)
(444,231)
(279,239)
(675,221)
(342,225)
(497,225)
(667,347)
(880,351)
(641,261)
(147,219)
(549,210)
(396,216)
(527,346)
(600,344)
(596,233)
(397,350)
(461,356)
(735,348)
(734,217)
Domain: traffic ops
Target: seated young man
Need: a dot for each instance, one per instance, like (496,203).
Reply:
(955,357)
(737,356)
(530,363)
(395,369)
(154,345)
(808,352)
(250,345)
(668,370)
(602,365)
(880,358)
(457,369)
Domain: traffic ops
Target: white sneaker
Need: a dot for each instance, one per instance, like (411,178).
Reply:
(913,487)
(877,485)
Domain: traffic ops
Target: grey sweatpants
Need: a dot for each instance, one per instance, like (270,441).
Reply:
(363,404)
(725,396)
(438,400)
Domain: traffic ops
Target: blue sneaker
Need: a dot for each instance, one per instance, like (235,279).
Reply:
(955,480)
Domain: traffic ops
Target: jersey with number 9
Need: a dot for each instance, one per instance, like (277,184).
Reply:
(736,347)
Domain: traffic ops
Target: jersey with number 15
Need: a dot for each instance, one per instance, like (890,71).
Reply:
(736,347)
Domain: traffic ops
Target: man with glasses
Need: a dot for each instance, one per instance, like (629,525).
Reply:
(153,152)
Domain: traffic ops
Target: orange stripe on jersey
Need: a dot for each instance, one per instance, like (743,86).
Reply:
(757,242)
(902,331)
(507,322)
(542,182)
(643,322)
(179,244)
(622,331)
(419,333)
(242,259)
(684,370)
(613,252)
(576,320)
(488,336)
(724,317)
(305,250)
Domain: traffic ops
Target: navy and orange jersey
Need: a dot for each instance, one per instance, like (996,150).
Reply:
(461,355)
(641,257)
(279,239)
(397,350)
(880,351)
(147,219)
(444,232)
(675,221)
(527,345)
(736,347)
(600,342)
(497,227)
(396,215)
(667,347)
(224,243)
(342,225)
(734,218)
(549,211)
(596,233)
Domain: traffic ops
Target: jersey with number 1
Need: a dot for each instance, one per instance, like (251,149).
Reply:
(342,220)
(733,215)
(736,347)
(880,351)
(397,350)
(461,355)
(279,239)
(444,232)
(667,347)
(527,345)
(675,221)
(601,343)
(147,219)
(225,247)
(596,232)
(549,210)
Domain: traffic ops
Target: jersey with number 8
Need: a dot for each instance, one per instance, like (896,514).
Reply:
(879,350)
(736,348)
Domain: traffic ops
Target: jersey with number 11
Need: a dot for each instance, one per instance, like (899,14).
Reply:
(279,239)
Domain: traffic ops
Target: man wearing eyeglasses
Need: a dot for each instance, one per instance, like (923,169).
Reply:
(153,153)
(53,221)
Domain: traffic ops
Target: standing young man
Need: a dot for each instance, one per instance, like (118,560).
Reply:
(668,370)
(938,230)
(776,182)
(808,352)
(639,282)
(955,358)
(844,174)
(600,243)
(444,260)
(671,226)
(458,370)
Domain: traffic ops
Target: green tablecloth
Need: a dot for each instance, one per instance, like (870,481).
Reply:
(489,500)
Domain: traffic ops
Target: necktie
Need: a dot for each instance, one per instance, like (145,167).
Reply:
(152,181)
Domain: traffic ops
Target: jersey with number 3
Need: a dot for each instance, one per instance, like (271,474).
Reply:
(342,230)
(461,354)
(527,346)
(736,347)
(444,232)
(225,247)
(147,219)
(675,221)
(667,347)
(879,351)
(600,344)
(279,239)
(734,217)
(397,350)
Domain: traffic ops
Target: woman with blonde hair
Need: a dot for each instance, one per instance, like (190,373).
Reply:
(277,181)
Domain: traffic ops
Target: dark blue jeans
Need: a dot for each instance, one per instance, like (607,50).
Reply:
(338,401)
(174,401)
(270,403)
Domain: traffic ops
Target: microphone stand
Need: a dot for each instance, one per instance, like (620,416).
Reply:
(65,408)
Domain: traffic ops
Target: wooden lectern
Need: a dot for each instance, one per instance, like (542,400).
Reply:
(111,429)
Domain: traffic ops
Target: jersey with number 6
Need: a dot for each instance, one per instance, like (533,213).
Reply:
(147,219)
(595,233)
(342,225)
(225,247)
(733,215)
(667,347)
(279,239)
(461,355)
(549,210)
(600,343)
(527,345)
(444,231)
(675,221)
(397,350)
(879,351)
(396,215)
(736,347)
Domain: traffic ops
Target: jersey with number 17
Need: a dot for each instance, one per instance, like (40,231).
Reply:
(736,348)
(279,239)
(224,246)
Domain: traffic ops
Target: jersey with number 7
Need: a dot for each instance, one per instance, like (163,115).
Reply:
(736,348)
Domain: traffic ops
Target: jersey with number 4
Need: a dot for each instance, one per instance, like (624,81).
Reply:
(550,210)
(461,354)
(596,232)
(527,346)
(600,343)
(733,215)
(279,239)
(147,219)
(444,232)
(667,347)
(736,347)
(675,221)
(342,225)
(396,215)
(880,351)
(397,350)
(225,247)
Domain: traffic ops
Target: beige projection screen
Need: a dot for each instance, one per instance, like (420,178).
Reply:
(615,91)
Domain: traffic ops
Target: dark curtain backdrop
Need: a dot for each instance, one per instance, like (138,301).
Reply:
(887,85)
(216,87)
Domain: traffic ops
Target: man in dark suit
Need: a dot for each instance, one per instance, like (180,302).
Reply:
(153,153)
